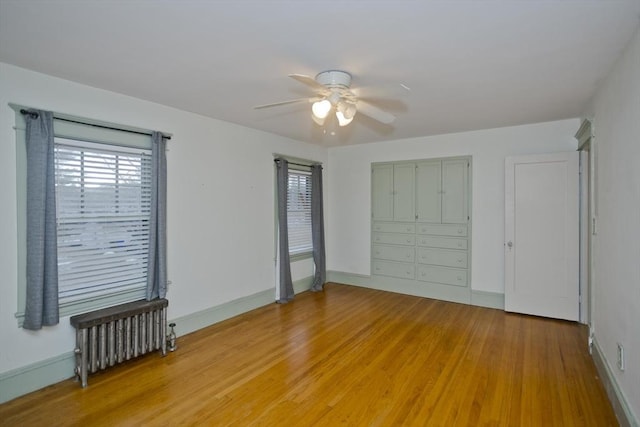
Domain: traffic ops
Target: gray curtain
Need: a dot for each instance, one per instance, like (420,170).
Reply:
(317,229)
(157,268)
(42,251)
(286,284)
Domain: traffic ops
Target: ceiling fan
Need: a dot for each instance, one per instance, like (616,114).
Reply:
(333,93)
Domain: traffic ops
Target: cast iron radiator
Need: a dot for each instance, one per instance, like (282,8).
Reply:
(116,334)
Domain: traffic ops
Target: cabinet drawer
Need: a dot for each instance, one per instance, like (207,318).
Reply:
(394,239)
(443,229)
(394,227)
(442,257)
(394,253)
(442,242)
(394,269)
(444,275)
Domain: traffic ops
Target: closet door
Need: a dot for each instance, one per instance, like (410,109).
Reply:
(428,197)
(382,192)
(404,192)
(455,189)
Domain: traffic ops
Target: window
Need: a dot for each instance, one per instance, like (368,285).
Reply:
(103,183)
(299,212)
(103,197)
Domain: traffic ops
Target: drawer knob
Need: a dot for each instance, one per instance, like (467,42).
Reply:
(459,277)
(459,231)
(459,259)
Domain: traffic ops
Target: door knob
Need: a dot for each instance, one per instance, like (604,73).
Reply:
(510,244)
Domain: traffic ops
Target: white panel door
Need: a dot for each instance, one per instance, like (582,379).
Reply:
(541,235)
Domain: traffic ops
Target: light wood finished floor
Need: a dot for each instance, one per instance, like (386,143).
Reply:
(348,356)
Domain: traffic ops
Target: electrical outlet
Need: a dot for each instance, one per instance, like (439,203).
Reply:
(620,357)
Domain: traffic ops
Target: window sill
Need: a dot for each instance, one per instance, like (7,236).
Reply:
(300,256)
(90,304)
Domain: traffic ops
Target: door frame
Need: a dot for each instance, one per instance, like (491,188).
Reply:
(588,215)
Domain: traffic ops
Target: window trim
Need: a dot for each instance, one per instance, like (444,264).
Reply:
(308,253)
(82,129)
(299,164)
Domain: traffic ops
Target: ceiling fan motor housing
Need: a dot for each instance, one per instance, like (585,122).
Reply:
(334,78)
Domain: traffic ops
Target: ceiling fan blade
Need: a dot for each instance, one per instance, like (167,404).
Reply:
(374,112)
(309,81)
(291,101)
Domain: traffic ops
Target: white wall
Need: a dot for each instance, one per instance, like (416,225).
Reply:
(349,213)
(220,204)
(616,121)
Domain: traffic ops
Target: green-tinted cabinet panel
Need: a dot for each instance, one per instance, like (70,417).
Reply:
(394,269)
(443,257)
(443,275)
(404,192)
(394,227)
(394,238)
(428,187)
(394,253)
(382,192)
(421,226)
(455,191)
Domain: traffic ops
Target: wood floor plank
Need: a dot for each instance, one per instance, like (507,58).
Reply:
(346,356)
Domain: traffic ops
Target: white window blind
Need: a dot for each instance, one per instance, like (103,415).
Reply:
(103,208)
(299,212)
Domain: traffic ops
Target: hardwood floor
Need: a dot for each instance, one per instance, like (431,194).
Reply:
(348,356)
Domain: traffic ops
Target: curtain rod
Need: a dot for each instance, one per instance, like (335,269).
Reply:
(298,164)
(34,115)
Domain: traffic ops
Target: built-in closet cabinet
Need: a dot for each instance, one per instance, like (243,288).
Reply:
(394,187)
(421,222)
(442,191)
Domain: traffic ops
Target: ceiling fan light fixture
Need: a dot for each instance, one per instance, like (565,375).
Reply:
(321,109)
(319,121)
(334,98)
(348,109)
(342,119)
(333,94)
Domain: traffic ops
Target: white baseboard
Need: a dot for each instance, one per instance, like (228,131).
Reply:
(201,319)
(487,299)
(35,376)
(626,418)
(421,289)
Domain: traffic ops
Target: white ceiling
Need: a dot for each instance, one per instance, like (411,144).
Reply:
(470,64)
